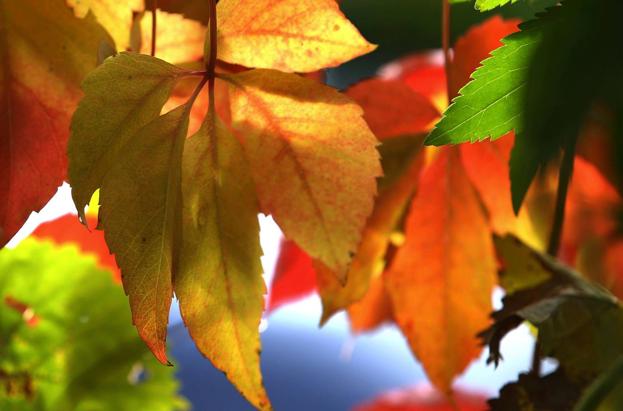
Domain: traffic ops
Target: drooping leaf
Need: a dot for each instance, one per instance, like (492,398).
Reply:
(82,353)
(441,279)
(140,209)
(313,160)
(219,283)
(289,35)
(101,127)
(68,230)
(114,15)
(294,276)
(178,40)
(40,72)
(391,108)
(369,261)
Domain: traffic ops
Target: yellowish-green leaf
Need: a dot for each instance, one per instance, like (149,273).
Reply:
(219,283)
(313,159)
(287,35)
(115,15)
(140,208)
(122,95)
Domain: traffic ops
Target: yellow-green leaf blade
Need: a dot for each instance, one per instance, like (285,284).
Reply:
(140,205)
(313,159)
(122,95)
(288,35)
(219,284)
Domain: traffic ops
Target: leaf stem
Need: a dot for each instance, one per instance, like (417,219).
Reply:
(564,177)
(566,170)
(154,22)
(212,58)
(445,42)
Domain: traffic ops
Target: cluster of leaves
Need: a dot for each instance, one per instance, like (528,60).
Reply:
(59,350)
(431,266)
(179,213)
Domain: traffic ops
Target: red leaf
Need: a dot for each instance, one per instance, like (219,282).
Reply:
(67,229)
(425,398)
(391,108)
(294,276)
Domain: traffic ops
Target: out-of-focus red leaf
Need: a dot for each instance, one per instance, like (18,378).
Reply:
(425,398)
(474,47)
(68,229)
(424,73)
(294,277)
(391,108)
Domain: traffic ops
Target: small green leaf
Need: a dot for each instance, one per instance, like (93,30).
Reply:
(81,353)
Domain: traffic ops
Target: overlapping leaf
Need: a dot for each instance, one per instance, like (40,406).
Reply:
(313,160)
(293,35)
(40,72)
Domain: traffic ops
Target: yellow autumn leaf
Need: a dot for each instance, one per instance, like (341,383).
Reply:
(141,203)
(313,160)
(178,39)
(114,15)
(287,35)
(219,283)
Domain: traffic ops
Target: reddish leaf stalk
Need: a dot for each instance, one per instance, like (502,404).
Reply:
(154,22)
(212,58)
(445,42)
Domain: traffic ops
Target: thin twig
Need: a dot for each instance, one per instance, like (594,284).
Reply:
(154,7)
(445,43)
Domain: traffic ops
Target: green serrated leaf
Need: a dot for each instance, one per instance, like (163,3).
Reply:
(67,343)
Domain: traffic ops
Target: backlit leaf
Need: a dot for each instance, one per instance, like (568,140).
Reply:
(373,310)
(178,40)
(101,127)
(40,72)
(219,283)
(313,159)
(441,279)
(140,207)
(288,35)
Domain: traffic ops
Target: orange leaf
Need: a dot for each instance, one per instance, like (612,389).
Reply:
(391,108)
(441,279)
(294,276)
(287,35)
(374,309)
(68,229)
(369,261)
